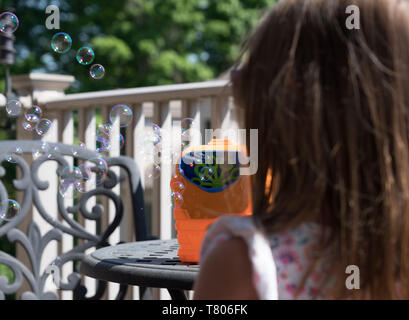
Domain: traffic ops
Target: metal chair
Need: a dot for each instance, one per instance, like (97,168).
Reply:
(30,184)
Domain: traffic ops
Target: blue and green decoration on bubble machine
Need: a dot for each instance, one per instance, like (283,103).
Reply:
(207,185)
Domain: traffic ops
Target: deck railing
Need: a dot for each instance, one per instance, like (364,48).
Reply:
(76,115)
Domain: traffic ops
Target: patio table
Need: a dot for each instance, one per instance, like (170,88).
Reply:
(152,263)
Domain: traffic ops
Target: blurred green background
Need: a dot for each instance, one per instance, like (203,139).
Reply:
(139,42)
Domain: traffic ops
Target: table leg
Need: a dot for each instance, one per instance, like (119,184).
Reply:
(177,294)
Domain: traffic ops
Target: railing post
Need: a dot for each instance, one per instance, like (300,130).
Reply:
(161,206)
(162,210)
(66,135)
(134,132)
(192,109)
(86,134)
(224,116)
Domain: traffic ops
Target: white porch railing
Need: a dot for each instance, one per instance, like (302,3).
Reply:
(208,103)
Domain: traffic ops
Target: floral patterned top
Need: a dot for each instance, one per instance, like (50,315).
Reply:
(278,263)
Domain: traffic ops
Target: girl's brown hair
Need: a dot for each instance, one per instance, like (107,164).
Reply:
(331,105)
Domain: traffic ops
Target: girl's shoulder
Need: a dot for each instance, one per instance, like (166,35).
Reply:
(278,261)
(259,251)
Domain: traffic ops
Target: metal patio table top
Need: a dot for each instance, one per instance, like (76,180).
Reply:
(152,263)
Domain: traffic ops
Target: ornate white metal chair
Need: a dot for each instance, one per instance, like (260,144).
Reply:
(30,184)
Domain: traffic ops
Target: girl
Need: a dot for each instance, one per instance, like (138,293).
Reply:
(331,195)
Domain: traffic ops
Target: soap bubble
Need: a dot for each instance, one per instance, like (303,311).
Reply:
(156,129)
(206,174)
(85,55)
(177,199)
(13,108)
(97,71)
(77,149)
(148,141)
(150,148)
(92,173)
(102,144)
(44,147)
(36,154)
(33,114)
(61,42)
(104,130)
(81,185)
(69,176)
(9,209)
(99,170)
(155,139)
(8,22)
(28,126)
(123,114)
(186,124)
(103,137)
(177,187)
(43,126)
(53,152)
(154,172)
(10,156)
(121,141)
(85,182)
(86,171)
(68,191)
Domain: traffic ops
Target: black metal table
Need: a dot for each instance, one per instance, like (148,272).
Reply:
(151,263)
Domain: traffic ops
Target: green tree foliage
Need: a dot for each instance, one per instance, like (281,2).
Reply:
(139,42)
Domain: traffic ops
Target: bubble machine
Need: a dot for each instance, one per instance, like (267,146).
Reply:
(209,176)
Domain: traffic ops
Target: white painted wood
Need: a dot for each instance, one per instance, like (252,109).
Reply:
(137,135)
(3,100)
(37,87)
(220,111)
(162,110)
(224,117)
(67,137)
(134,136)
(21,253)
(127,232)
(116,235)
(41,81)
(86,134)
(192,109)
(49,199)
(138,95)
(162,209)
(205,116)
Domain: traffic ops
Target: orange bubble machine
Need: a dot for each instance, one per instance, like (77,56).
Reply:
(207,185)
